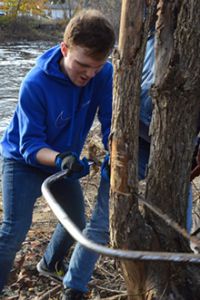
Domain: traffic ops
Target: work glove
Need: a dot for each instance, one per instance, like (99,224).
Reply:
(105,168)
(76,168)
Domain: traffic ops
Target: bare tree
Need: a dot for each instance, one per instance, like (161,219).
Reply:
(176,100)
(125,216)
(69,2)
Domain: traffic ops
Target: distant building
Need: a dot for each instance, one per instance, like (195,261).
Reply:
(58,11)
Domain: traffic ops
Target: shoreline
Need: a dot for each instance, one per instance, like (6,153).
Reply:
(30,29)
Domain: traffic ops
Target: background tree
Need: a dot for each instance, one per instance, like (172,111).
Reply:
(15,7)
(176,109)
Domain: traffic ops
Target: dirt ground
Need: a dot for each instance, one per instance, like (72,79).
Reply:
(107,282)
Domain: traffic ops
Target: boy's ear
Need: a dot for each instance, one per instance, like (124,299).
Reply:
(64,48)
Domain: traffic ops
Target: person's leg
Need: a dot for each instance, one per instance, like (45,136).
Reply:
(83,260)
(144,150)
(21,185)
(189,211)
(69,195)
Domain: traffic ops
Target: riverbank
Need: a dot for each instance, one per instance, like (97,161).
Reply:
(30,29)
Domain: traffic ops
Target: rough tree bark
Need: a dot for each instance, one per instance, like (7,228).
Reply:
(177,106)
(125,216)
(176,98)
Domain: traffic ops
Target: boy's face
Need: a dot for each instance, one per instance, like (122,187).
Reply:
(78,65)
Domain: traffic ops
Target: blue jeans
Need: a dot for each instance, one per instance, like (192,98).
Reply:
(189,211)
(21,186)
(83,261)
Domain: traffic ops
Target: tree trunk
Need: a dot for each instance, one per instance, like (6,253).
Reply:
(125,217)
(17,9)
(176,102)
(69,9)
(176,95)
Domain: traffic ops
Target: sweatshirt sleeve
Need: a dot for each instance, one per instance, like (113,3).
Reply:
(31,115)
(105,106)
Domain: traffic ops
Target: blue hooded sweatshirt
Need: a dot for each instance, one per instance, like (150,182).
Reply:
(54,113)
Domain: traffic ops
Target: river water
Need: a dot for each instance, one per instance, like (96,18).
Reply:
(15,61)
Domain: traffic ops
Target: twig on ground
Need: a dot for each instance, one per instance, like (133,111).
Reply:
(110,290)
(115,297)
(49,293)
(105,271)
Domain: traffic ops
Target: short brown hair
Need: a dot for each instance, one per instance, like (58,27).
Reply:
(90,29)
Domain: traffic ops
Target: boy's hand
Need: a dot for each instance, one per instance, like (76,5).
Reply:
(69,160)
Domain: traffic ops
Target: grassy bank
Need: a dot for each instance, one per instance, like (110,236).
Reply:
(30,29)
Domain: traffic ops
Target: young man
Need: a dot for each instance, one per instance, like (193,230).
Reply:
(57,104)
